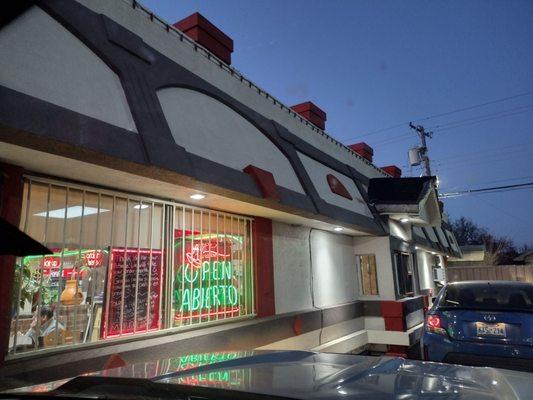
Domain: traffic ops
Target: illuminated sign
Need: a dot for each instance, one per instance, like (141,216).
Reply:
(225,378)
(207,283)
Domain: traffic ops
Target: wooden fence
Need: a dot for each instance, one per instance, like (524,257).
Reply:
(521,273)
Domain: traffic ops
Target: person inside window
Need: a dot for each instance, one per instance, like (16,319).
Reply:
(47,328)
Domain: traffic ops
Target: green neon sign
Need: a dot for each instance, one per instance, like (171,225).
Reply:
(205,287)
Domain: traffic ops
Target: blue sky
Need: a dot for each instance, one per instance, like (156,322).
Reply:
(375,64)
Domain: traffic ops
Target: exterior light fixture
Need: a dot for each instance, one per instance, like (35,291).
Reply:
(404,220)
(416,247)
(197,196)
(433,253)
(140,206)
(338,229)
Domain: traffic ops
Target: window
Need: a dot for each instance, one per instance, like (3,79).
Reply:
(404,274)
(367,274)
(110,274)
(212,266)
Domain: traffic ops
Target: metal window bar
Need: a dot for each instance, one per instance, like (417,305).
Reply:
(149,290)
(200,277)
(21,280)
(140,205)
(77,264)
(223,230)
(191,270)
(209,292)
(252,266)
(109,266)
(124,266)
(245,267)
(167,211)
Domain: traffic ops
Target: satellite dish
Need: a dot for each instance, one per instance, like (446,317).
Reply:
(414,156)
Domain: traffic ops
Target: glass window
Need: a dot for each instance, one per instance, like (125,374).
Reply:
(368,275)
(490,296)
(212,267)
(404,274)
(107,275)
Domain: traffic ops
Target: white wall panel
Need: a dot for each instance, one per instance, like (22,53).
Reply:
(334,269)
(292,270)
(40,58)
(334,279)
(318,173)
(208,128)
(168,43)
(425,269)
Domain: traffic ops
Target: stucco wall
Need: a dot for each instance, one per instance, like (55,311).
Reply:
(168,43)
(380,247)
(292,271)
(425,269)
(210,129)
(400,230)
(334,270)
(334,279)
(318,173)
(40,58)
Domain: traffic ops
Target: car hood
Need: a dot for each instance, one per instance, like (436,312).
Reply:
(307,375)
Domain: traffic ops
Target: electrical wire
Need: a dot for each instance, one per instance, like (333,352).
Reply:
(487,190)
(499,113)
(442,114)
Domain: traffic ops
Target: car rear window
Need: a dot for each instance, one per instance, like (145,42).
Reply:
(489,296)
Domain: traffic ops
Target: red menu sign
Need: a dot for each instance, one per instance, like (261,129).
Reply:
(134,292)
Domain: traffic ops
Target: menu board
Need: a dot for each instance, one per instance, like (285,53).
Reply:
(131,276)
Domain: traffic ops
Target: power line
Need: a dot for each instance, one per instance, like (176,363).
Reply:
(398,138)
(442,114)
(487,190)
(502,113)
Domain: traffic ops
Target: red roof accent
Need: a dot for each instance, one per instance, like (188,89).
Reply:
(337,187)
(312,113)
(201,30)
(363,149)
(265,181)
(393,171)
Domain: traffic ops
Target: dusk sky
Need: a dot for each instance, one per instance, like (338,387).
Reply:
(372,65)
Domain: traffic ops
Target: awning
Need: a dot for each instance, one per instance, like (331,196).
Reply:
(15,242)
(406,199)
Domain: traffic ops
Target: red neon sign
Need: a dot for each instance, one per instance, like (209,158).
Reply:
(203,251)
(94,258)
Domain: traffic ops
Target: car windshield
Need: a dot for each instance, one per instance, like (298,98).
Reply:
(487,296)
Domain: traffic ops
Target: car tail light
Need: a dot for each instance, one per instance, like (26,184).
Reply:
(434,324)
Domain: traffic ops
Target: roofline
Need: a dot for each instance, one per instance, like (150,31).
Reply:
(238,75)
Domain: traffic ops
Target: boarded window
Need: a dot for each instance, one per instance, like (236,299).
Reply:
(367,274)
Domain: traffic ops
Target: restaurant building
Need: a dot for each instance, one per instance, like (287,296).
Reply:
(186,208)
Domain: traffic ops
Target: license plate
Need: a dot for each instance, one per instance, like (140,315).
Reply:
(484,329)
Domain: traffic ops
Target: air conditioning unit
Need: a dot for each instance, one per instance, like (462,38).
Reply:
(439,274)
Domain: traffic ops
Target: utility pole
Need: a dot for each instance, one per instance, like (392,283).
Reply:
(423,148)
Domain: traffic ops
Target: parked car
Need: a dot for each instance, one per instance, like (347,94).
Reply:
(288,375)
(483,323)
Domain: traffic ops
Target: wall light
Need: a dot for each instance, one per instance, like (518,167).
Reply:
(197,196)
(140,206)
(404,220)
(416,247)
(338,229)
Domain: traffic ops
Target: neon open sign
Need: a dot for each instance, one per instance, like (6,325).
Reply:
(206,282)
